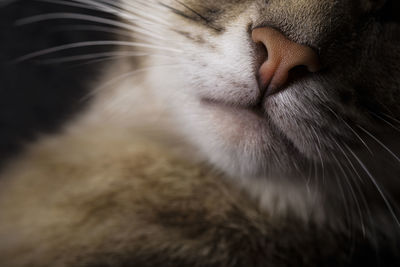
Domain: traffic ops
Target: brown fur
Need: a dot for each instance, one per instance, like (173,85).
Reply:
(132,202)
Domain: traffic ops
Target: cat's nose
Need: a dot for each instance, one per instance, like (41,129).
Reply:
(284,57)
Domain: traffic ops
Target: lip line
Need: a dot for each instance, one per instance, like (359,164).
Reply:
(261,113)
(257,110)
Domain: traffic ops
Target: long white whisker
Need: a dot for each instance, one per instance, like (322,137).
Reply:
(129,14)
(353,193)
(149,4)
(95,28)
(380,143)
(319,147)
(94,43)
(351,128)
(100,56)
(71,4)
(132,8)
(109,7)
(377,186)
(361,192)
(391,117)
(127,75)
(77,16)
(386,121)
(348,160)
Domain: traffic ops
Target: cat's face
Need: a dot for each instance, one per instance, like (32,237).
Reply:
(213,82)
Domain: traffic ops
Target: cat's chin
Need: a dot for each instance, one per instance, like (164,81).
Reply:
(239,140)
(238,122)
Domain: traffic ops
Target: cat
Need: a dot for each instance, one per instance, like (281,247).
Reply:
(226,133)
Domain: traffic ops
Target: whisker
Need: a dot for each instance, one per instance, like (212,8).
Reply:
(78,16)
(93,43)
(116,9)
(155,5)
(128,75)
(6,2)
(351,128)
(94,61)
(353,193)
(99,56)
(345,199)
(386,121)
(309,176)
(71,4)
(391,117)
(349,215)
(348,160)
(134,8)
(319,147)
(377,186)
(94,28)
(379,142)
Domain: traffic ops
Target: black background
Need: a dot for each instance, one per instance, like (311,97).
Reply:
(36,97)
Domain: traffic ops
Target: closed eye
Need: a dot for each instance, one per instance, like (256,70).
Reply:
(196,16)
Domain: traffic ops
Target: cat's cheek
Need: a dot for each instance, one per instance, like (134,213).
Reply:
(222,79)
(221,69)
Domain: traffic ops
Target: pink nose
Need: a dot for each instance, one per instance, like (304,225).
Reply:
(283,56)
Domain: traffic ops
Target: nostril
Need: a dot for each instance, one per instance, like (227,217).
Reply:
(298,73)
(294,75)
(261,54)
(285,61)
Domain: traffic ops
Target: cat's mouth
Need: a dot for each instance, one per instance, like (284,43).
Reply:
(251,119)
(256,110)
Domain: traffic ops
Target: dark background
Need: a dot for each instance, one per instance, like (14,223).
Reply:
(37,97)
